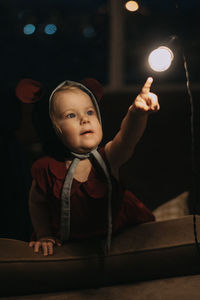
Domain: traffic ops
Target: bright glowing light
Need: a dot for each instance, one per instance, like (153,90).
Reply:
(131,5)
(29,29)
(160,59)
(50,29)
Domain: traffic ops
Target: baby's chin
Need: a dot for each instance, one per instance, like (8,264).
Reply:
(83,148)
(86,148)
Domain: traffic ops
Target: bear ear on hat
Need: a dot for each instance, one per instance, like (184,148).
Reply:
(29,90)
(94,86)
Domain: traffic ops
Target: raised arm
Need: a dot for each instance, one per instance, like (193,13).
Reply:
(121,148)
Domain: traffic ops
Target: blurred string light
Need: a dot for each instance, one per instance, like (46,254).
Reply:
(160,59)
(50,29)
(29,29)
(132,6)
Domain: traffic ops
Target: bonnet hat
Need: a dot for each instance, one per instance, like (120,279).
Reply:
(93,88)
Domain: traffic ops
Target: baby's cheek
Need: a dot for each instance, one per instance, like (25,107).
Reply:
(66,137)
(100,134)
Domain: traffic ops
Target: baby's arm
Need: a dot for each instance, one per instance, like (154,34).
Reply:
(121,148)
(39,212)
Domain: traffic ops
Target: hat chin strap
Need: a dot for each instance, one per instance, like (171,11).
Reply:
(81,156)
(66,192)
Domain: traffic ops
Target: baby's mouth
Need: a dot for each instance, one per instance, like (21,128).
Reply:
(86,132)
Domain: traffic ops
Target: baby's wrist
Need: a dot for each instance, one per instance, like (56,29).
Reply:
(136,112)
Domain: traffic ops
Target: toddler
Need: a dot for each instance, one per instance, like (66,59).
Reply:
(80,195)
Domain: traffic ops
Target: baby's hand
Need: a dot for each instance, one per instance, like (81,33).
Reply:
(44,244)
(145,102)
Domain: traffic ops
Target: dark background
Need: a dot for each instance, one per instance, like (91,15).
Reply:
(163,165)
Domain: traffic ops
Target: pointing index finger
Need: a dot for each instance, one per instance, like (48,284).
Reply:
(146,87)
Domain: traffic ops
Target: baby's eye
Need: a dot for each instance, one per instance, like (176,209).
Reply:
(90,112)
(71,115)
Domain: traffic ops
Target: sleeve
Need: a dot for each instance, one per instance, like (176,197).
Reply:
(40,174)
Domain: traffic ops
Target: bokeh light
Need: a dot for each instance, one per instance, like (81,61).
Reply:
(29,29)
(132,6)
(160,59)
(89,32)
(50,29)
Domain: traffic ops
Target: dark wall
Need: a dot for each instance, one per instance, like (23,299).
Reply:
(160,168)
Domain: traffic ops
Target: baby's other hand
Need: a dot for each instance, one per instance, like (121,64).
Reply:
(146,102)
(44,244)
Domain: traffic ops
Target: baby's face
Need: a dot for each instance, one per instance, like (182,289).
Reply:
(76,120)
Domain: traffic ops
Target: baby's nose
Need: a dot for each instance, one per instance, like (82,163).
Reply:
(84,119)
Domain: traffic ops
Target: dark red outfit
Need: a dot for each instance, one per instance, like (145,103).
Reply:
(89,203)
